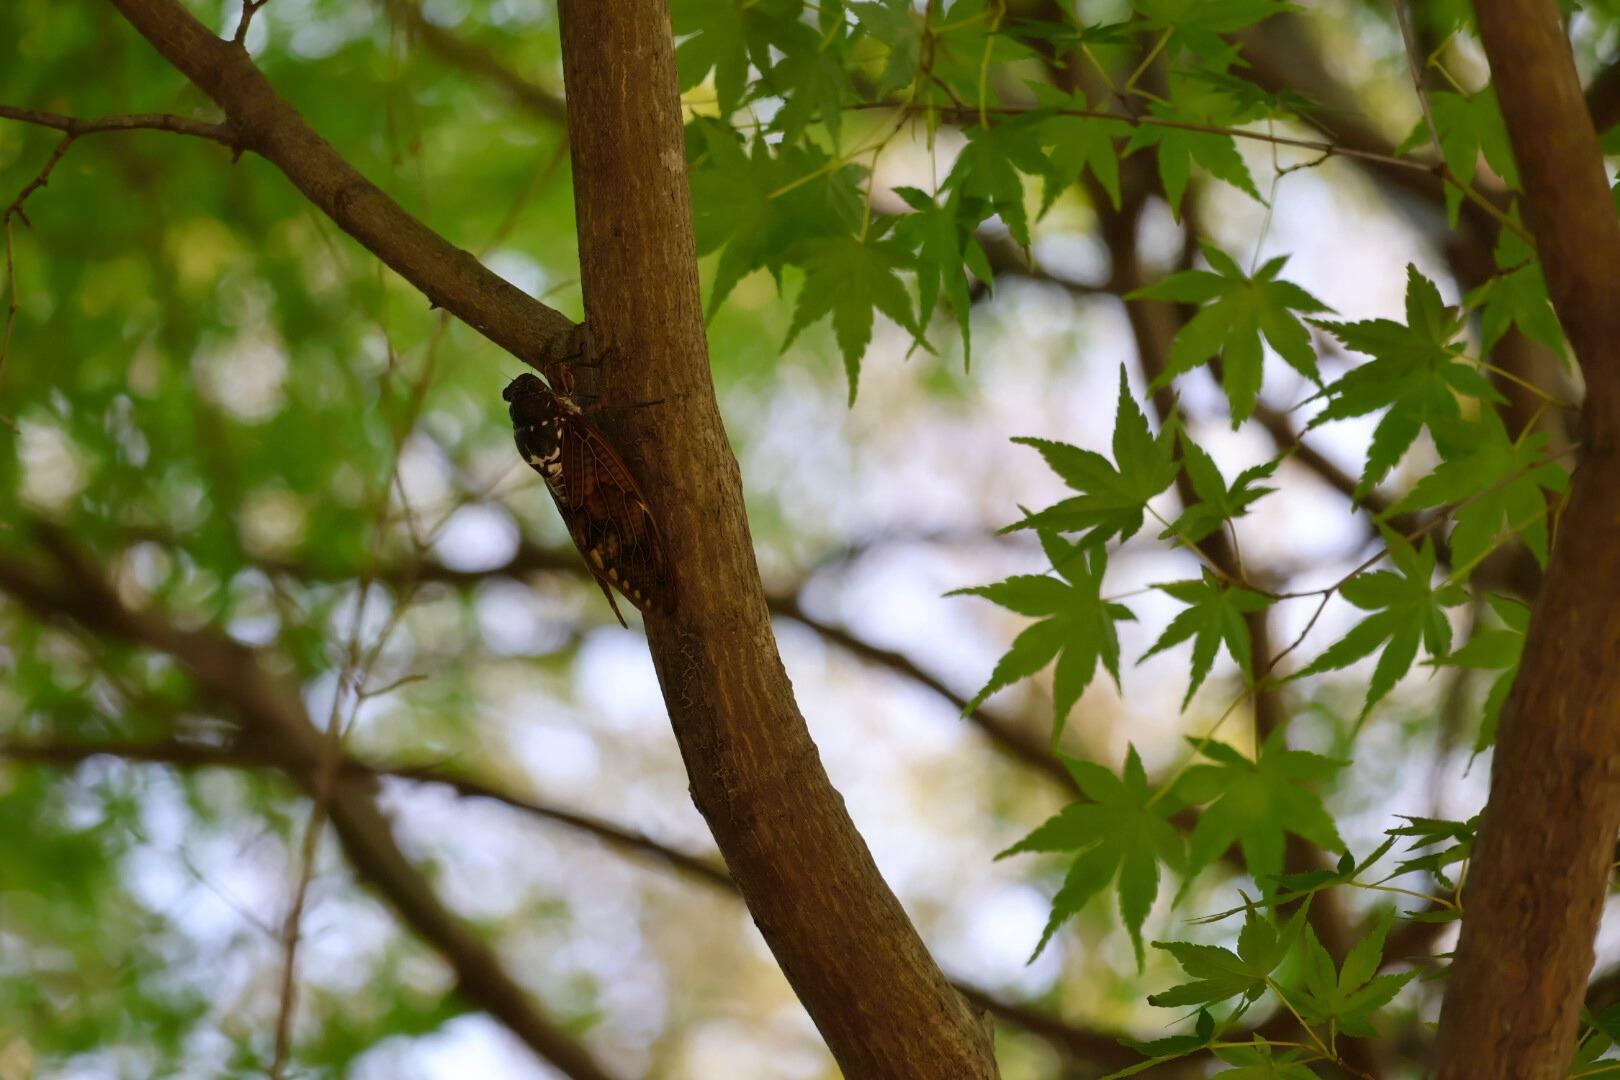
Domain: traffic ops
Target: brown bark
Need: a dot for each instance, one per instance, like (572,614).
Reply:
(841,937)
(1540,869)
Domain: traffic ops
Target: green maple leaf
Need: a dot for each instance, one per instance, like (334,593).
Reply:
(945,241)
(967,38)
(1456,836)
(1346,999)
(1061,31)
(1239,310)
(1076,144)
(1596,1042)
(1502,485)
(1214,615)
(1178,148)
(1494,649)
(1416,373)
(899,26)
(1217,503)
(724,36)
(747,205)
(1112,499)
(1469,125)
(1172,1046)
(1121,838)
(1253,803)
(1076,625)
(1407,610)
(1207,16)
(1201,104)
(849,279)
(1080,144)
(1263,1061)
(1516,296)
(811,78)
(1219,973)
(1250,99)
(1216,16)
(992,167)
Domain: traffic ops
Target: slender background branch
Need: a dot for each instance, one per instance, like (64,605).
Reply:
(1095,1048)
(273,716)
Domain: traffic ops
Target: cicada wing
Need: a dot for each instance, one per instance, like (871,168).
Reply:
(609,518)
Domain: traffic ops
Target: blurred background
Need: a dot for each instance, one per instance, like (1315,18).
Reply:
(227,414)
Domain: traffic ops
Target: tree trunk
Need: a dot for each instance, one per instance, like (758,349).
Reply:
(1540,870)
(840,935)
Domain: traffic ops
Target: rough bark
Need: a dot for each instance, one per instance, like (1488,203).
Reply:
(837,931)
(1541,866)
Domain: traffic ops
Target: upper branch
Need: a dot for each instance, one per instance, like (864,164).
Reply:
(265,123)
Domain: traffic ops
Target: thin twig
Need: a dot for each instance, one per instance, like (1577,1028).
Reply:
(1439,169)
(1404,17)
(15,210)
(11,308)
(74,128)
(290,933)
(271,710)
(222,133)
(249,9)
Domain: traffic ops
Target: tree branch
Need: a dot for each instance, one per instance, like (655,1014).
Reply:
(1540,868)
(267,125)
(1006,736)
(530,558)
(840,935)
(223,134)
(191,755)
(1094,1047)
(472,59)
(273,715)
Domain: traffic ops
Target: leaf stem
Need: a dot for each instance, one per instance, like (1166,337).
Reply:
(1198,748)
(984,63)
(1153,54)
(1316,1039)
(1449,905)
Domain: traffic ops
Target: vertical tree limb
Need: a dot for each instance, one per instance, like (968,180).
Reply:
(836,929)
(1540,869)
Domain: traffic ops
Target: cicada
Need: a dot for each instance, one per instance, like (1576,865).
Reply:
(606,513)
